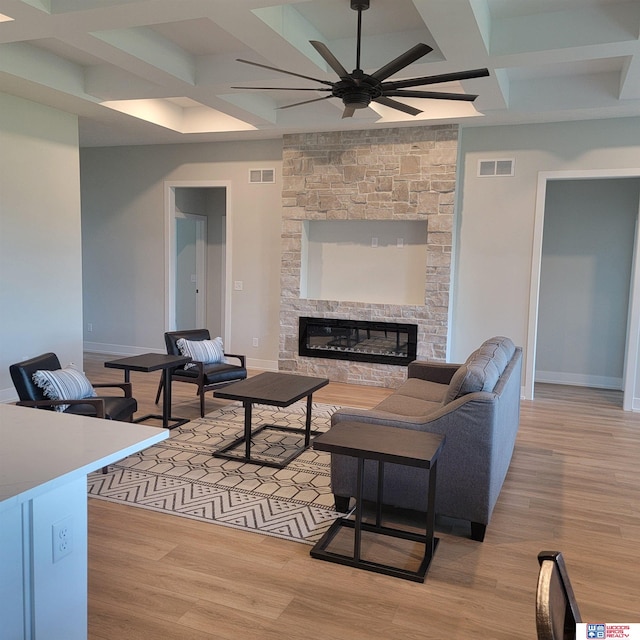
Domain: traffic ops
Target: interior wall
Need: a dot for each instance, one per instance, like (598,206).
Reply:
(124,241)
(587,254)
(216,209)
(40,245)
(496,216)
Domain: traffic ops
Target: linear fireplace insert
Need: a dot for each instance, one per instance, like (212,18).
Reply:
(359,340)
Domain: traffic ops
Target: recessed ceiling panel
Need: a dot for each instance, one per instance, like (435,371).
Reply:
(199,37)
(565,27)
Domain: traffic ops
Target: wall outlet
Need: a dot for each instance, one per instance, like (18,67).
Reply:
(62,538)
(374,242)
(89,327)
(256,342)
(400,243)
(237,285)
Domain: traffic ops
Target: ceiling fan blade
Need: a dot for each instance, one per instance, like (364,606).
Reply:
(415,53)
(436,95)
(297,104)
(329,58)
(444,77)
(284,88)
(394,104)
(289,73)
(348,112)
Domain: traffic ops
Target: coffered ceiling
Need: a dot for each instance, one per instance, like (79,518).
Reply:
(163,71)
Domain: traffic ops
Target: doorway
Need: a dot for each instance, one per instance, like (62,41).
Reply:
(197,256)
(590,304)
(191,271)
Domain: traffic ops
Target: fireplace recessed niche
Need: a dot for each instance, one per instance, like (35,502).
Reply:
(374,261)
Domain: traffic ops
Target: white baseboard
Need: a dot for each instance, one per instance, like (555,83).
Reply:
(8,395)
(119,349)
(579,380)
(262,365)
(126,350)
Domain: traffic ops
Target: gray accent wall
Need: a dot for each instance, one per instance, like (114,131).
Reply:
(40,250)
(123,216)
(495,218)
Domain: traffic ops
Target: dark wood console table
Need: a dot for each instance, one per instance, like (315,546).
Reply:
(366,441)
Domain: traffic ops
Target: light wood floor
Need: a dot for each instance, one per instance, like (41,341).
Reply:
(573,486)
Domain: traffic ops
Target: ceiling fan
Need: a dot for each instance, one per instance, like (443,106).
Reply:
(358,89)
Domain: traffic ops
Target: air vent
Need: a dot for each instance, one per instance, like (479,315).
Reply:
(496,168)
(262,175)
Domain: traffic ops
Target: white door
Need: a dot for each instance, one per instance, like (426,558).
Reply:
(190,280)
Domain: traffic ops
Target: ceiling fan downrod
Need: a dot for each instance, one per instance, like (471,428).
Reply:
(359,6)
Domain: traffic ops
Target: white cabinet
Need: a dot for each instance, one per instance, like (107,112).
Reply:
(44,461)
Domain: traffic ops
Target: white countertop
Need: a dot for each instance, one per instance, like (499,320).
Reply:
(42,449)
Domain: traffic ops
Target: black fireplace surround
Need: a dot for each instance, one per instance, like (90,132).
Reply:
(359,340)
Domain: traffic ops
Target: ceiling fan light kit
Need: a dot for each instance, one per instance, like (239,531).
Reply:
(358,90)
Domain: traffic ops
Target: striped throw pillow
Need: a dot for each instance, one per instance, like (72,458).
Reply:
(64,384)
(205,351)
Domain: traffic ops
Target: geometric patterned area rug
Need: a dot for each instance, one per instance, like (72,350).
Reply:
(179,476)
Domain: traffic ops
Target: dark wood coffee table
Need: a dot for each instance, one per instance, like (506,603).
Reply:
(275,389)
(366,441)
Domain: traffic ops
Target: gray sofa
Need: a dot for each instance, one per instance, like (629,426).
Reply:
(477,406)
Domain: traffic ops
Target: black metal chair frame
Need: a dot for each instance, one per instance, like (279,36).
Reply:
(178,375)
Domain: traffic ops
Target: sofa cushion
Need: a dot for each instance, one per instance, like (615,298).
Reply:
(480,373)
(500,348)
(407,406)
(423,390)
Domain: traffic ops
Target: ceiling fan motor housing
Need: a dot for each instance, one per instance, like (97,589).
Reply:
(359,5)
(358,94)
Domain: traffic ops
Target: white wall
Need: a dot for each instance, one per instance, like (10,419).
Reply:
(124,241)
(496,217)
(40,248)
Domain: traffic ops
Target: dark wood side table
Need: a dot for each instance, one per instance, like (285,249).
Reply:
(275,389)
(146,363)
(366,441)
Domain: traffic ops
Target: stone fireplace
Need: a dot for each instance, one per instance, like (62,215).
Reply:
(400,174)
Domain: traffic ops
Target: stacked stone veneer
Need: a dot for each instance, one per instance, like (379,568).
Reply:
(381,174)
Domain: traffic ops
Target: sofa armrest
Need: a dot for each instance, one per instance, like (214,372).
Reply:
(441,372)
